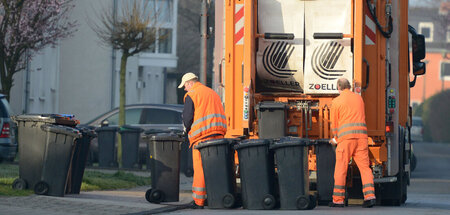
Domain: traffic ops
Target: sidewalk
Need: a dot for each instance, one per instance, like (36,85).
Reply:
(94,202)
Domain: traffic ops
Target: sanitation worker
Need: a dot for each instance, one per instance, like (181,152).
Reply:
(348,124)
(204,119)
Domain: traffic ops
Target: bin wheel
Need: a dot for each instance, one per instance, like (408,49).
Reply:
(19,184)
(147,195)
(41,188)
(312,202)
(302,202)
(189,172)
(228,200)
(268,202)
(154,196)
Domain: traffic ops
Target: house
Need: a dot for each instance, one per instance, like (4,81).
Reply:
(434,24)
(80,76)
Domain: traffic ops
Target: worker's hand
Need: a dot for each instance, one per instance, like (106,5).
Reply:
(333,142)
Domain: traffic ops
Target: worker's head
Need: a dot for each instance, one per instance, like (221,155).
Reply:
(188,81)
(343,84)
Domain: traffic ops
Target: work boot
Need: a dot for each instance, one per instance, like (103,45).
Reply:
(369,203)
(336,205)
(192,205)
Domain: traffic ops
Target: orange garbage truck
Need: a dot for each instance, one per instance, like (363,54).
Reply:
(278,62)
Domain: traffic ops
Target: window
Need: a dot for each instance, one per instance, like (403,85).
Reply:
(426,28)
(445,71)
(163,11)
(132,116)
(160,116)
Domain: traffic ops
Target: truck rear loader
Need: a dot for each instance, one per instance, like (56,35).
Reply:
(278,64)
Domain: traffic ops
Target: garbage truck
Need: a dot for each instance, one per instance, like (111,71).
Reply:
(278,62)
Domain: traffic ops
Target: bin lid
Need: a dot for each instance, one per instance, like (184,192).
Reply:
(215,142)
(130,129)
(60,129)
(320,141)
(106,128)
(252,143)
(270,105)
(60,119)
(87,130)
(166,137)
(289,142)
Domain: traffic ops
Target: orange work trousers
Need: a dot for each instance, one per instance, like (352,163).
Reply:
(359,150)
(198,185)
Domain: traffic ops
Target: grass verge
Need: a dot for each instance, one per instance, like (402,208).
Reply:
(92,180)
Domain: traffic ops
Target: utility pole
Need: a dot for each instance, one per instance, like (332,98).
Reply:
(204,39)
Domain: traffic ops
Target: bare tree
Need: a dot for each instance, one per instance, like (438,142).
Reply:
(27,26)
(132,31)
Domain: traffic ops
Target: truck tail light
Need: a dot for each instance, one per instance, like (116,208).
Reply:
(389,127)
(5,131)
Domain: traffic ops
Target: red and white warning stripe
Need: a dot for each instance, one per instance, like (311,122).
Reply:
(370,29)
(239,24)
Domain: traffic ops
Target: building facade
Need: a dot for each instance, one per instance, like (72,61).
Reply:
(81,76)
(434,24)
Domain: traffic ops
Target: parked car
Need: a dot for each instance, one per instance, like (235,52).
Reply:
(145,116)
(417,129)
(8,141)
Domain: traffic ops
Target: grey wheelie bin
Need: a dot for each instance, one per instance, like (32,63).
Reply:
(79,157)
(257,171)
(291,156)
(130,136)
(106,137)
(218,168)
(32,142)
(57,155)
(164,151)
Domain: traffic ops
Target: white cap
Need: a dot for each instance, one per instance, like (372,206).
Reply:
(187,77)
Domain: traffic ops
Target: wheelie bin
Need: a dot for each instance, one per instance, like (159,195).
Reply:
(57,155)
(186,165)
(218,168)
(79,157)
(291,156)
(106,137)
(326,160)
(32,142)
(164,151)
(257,171)
(130,136)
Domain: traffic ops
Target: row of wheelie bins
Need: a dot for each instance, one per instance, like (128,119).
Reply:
(273,173)
(52,153)
(107,155)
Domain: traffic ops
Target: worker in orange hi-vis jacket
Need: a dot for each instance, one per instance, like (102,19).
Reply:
(348,124)
(204,119)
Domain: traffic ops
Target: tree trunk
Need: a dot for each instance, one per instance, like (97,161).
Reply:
(6,78)
(122,100)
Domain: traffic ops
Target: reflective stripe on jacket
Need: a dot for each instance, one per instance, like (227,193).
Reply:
(209,116)
(348,119)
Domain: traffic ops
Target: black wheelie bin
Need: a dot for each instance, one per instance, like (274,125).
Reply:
(32,140)
(130,136)
(291,156)
(326,160)
(79,157)
(106,137)
(218,168)
(57,155)
(257,171)
(164,154)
